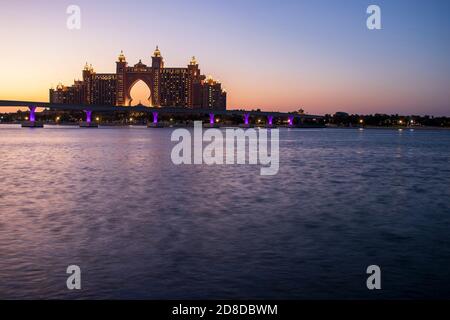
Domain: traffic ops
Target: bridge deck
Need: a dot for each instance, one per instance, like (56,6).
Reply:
(171,110)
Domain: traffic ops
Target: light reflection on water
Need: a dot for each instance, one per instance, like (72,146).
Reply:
(111,201)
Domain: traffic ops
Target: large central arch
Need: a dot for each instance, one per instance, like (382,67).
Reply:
(144,99)
(132,79)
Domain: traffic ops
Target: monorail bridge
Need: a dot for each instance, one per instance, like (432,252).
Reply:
(154,111)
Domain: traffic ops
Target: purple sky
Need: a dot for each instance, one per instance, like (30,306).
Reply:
(274,55)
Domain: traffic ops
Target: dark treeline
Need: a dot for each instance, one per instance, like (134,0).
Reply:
(383,120)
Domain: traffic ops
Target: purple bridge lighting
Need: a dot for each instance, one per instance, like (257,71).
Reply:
(246,118)
(90,109)
(291,121)
(88,116)
(32,114)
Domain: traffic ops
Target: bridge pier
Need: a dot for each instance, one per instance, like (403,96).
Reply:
(32,123)
(155,123)
(270,122)
(290,121)
(212,122)
(32,114)
(246,123)
(88,123)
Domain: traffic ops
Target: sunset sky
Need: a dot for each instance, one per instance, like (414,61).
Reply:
(274,55)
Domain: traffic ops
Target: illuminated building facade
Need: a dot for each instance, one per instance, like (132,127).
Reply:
(177,87)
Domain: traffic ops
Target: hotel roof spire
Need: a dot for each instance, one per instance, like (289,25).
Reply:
(121,57)
(157,53)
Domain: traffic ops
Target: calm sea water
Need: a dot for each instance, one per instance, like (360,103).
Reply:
(112,202)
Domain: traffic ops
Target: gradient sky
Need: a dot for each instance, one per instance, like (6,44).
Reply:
(273,55)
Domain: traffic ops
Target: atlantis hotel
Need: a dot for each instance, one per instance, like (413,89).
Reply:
(169,87)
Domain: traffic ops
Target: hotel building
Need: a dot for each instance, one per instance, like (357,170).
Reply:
(169,87)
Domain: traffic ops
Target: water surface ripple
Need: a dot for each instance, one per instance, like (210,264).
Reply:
(112,202)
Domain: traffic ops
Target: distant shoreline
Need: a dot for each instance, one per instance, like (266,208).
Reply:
(424,128)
